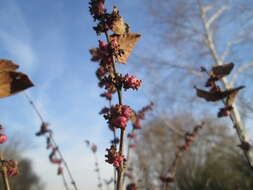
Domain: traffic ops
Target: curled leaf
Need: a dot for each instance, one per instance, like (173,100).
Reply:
(12,82)
(127,42)
(119,26)
(7,65)
(95,54)
(217,95)
(222,70)
(232,96)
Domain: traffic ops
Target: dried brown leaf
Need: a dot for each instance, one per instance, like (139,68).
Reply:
(127,42)
(13,82)
(219,95)
(7,65)
(95,54)
(222,70)
(232,96)
(120,27)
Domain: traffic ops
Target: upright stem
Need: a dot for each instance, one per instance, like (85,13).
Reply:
(114,169)
(65,164)
(128,154)
(65,181)
(4,173)
(98,172)
(121,169)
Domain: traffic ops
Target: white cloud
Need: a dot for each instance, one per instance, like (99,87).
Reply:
(19,51)
(15,36)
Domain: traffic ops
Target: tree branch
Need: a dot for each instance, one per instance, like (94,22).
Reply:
(235,116)
(215,15)
(228,47)
(240,70)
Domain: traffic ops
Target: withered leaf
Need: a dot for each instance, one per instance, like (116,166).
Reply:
(12,82)
(7,65)
(232,96)
(222,70)
(127,42)
(215,96)
(120,27)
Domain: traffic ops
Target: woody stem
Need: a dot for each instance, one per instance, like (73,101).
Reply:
(4,173)
(120,170)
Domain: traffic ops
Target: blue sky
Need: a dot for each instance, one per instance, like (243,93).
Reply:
(50,41)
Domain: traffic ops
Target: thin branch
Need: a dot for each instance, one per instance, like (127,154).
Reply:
(228,47)
(240,70)
(35,108)
(65,182)
(174,129)
(215,16)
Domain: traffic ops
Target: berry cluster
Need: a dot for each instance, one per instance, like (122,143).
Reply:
(3,137)
(140,115)
(118,116)
(114,157)
(11,167)
(189,138)
(45,131)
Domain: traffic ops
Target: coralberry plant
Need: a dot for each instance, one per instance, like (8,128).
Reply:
(117,48)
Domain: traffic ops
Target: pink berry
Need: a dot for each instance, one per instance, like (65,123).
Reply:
(3,138)
(120,122)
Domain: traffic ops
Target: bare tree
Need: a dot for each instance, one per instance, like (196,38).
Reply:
(213,161)
(196,33)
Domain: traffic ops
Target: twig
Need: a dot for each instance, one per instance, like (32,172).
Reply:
(4,173)
(35,108)
(65,182)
